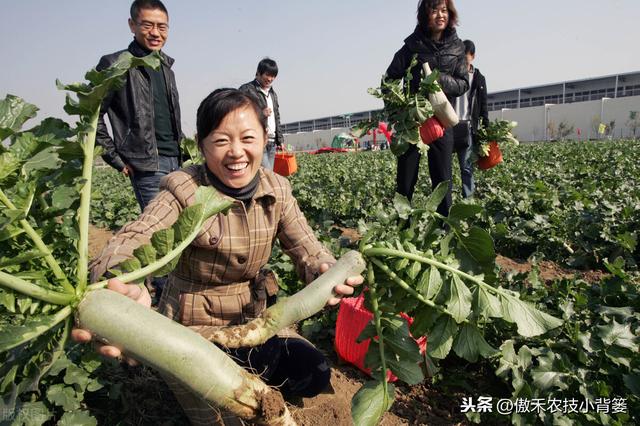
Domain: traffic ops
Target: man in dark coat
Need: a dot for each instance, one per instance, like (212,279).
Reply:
(145,113)
(472,111)
(262,89)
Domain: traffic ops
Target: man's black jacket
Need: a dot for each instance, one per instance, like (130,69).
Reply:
(253,87)
(130,112)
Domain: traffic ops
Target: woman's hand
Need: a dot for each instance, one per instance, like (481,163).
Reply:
(139,294)
(341,290)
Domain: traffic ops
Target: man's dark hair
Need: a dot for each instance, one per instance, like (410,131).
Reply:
(469,47)
(145,4)
(268,66)
(215,107)
(425,6)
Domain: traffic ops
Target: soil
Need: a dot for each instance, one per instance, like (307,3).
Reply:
(272,405)
(333,407)
(415,405)
(548,271)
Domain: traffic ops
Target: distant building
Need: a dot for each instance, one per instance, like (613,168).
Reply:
(577,109)
(591,89)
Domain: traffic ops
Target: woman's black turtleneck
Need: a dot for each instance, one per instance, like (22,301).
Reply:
(244,194)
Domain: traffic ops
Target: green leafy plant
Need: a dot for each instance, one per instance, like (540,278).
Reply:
(403,111)
(45,183)
(190,152)
(571,202)
(446,281)
(113,204)
(498,131)
(593,358)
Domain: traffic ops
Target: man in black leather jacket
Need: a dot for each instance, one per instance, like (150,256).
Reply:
(471,108)
(434,41)
(261,88)
(144,114)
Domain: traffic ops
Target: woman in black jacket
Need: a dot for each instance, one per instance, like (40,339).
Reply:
(434,41)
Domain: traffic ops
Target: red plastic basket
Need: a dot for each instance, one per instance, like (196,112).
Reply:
(353,317)
(431,130)
(285,163)
(493,159)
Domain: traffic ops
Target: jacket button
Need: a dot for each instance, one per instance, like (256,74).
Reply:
(241,259)
(213,240)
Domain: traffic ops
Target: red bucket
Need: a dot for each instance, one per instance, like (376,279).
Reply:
(353,317)
(493,159)
(431,130)
(285,163)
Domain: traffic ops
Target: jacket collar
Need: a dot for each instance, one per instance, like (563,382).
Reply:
(265,188)
(259,87)
(420,42)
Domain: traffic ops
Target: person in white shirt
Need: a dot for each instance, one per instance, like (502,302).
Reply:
(261,88)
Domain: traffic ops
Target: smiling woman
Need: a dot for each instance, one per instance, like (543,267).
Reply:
(234,144)
(218,280)
(435,43)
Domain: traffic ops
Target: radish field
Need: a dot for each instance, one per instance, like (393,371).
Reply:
(563,350)
(576,203)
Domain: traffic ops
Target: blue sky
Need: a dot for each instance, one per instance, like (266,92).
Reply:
(329,52)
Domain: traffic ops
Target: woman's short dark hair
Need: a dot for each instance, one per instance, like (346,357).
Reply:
(215,107)
(267,66)
(424,6)
(145,4)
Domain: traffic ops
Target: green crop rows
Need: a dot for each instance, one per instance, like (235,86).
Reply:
(575,203)
(112,199)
